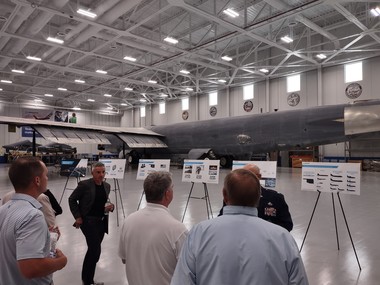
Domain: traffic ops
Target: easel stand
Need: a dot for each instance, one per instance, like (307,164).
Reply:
(77,176)
(205,197)
(117,189)
(142,195)
(336,227)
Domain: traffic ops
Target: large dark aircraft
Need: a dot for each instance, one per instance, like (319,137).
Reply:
(227,138)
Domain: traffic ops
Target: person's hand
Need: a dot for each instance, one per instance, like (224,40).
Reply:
(63,259)
(78,223)
(55,229)
(109,208)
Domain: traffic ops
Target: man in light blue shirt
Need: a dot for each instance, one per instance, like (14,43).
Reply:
(238,247)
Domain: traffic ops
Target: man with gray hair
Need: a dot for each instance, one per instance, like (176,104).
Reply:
(89,204)
(151,238)
(238,247)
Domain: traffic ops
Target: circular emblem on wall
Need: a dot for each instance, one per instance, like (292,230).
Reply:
(213,111)
(185,115)
(354,90)
(248,106)
(293,99)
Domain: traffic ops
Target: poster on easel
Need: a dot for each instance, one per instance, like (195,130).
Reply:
(74,167)
(147,166)
(331,177)
(201,171)
(115,168)
(268,171)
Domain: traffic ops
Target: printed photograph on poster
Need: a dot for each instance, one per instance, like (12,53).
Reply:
(268,171)
(147,166)
(201,171)
(74,167)
(115,168)
(331,177)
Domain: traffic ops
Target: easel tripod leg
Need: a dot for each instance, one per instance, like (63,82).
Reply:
(349,232)
(336,227)
(187,203)
(311,218)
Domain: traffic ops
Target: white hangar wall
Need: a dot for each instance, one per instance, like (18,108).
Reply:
(318,87)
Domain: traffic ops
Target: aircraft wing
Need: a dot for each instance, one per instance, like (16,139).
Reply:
(66,133)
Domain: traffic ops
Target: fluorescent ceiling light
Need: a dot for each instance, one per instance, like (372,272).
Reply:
(6,81)
(86,13)
(33,58)
(142,100)
(321,56)
(171,40)
(128,88)
(184,71)
(90,100)
(49,95)
(18,71)
(287,39)
(152,81)
(62,89)
(76,108)
(164,95)
(375,11)
(188,89)
(222,80)
(226,58)
(107,95)
(79,81)
(129,58)
(1,89)
(37,100)
(109,108)
(264,70)
(101,71)
(124,104)
(55,40)
(231,13)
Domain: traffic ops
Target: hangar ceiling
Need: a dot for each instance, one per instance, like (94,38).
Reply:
(126,40)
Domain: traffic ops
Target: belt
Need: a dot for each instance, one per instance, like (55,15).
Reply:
(94,218)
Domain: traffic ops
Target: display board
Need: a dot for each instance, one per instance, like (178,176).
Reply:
(147,166)
(115,168)
(331,177)
(201,171)
(74,167)
(268,171)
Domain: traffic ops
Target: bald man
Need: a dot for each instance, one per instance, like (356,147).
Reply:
(272,206)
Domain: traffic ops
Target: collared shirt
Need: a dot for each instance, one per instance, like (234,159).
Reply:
(23,235)
(151,240)
(239,248)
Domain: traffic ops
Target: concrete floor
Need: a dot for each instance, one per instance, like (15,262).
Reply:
(325,264)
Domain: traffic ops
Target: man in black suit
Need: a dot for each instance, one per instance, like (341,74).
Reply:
(272,205)
(88,206)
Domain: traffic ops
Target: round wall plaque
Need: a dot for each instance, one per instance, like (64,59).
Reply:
(213,111)
(185,115)
(248,106)
(293,99)
(354,90)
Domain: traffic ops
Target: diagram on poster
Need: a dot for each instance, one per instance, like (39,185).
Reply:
(201,171)
(115,168)
(268,171)
(331,177)
(147,166)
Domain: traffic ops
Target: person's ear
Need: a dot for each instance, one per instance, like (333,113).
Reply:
(37,180)
(225,196)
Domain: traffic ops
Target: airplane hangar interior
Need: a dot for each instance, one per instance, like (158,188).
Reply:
(289,85)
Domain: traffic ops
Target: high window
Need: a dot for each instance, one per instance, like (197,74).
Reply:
(185,104)
(353,72)
(293,83)
(213,98)
(142,112)
(162,108)
(248,92)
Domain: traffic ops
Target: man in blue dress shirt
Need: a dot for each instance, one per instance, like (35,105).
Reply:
(238,247)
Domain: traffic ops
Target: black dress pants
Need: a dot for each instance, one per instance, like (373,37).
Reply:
(93,229)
